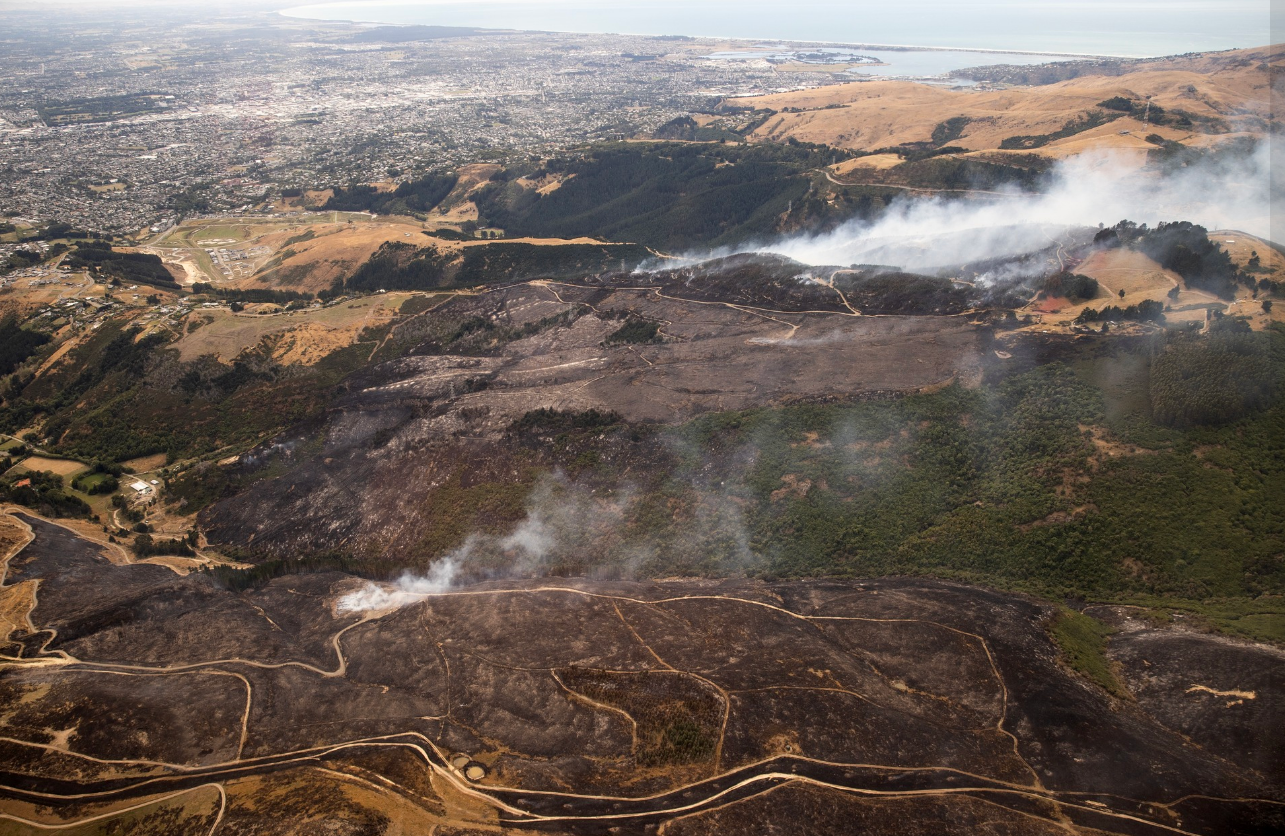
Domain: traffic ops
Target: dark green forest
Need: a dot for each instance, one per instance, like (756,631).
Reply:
(17,344)
(134,268)
(1184,248)
(413,198)
(670,197)
(1006,485)
(401,266)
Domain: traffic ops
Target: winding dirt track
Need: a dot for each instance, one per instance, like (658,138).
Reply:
(518,806)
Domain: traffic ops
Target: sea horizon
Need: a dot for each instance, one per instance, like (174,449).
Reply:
(1005,28)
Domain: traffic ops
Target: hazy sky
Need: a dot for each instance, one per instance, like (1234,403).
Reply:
(1111,27)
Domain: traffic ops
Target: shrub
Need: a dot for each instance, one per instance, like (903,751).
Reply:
(1211,380)
(1073,286)
(636,331)
(1083,641)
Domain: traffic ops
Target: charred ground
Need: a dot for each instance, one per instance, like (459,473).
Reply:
(574,706)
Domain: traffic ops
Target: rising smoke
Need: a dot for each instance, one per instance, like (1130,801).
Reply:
(1221,192)
(566,522)
(562,518)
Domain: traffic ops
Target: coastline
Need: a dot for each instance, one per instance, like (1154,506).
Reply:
(291,13)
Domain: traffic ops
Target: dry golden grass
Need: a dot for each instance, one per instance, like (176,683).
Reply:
(1241,247)
(1122,269)
(146,463)
(876,162)
(1138,276)
(16,600)
(22,299)
(16,603)
(63,467)
(337,251)
(298,337)
(875,114)
(1142,278)
(473,177)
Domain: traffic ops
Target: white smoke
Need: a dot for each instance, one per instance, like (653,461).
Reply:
(1100,187)
(561,518)
(409,588)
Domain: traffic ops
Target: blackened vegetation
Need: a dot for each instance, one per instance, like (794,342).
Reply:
(494,263)
(762,280)
(678,717)
(473,330)
(773,281)
(1212,380)
(105,263)
(413,198)
(1002,485)
(257,576)
(557,421)
(876,292)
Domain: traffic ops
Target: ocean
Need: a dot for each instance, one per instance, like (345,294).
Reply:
(1134,28)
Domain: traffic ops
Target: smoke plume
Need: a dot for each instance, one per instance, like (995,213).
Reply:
(1221,191)
(564,522)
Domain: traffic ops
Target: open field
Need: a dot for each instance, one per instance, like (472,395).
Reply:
(1241,247)
(1143,279)
(302,337)
(309,253)
(62,467)
(146,464)
(24,297)
(878,162)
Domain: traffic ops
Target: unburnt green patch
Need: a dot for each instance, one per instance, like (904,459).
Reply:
(1082,641)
